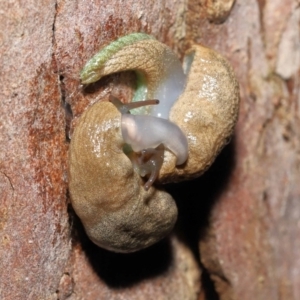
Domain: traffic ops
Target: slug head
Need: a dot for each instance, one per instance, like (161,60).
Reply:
(148,136)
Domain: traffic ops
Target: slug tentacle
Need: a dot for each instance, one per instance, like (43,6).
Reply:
(125,108)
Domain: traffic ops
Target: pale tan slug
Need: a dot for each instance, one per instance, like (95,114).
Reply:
(107,194)
(106,188)
(158,69)
(206,112)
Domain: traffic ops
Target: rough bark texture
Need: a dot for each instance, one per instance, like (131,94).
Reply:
(241,219)
(251,247)
(35,242)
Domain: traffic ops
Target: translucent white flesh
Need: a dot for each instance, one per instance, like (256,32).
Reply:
(143,132)
(169,90)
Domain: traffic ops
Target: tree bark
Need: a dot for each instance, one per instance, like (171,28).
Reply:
(238,223)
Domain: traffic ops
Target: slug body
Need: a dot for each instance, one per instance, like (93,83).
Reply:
(159,72)
(206,112)
(175,140)
(107,194)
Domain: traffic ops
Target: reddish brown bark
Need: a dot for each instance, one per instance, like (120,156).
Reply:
(254,225)
(245,209)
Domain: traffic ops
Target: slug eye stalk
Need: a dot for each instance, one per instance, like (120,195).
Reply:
(126,108)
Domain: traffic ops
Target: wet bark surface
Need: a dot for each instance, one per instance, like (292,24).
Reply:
(238,224)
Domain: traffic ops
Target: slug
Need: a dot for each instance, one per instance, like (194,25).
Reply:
(206,112)
(118,214)
(159,72)
(114,144)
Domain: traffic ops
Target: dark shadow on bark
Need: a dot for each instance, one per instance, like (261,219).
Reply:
(195,200)
(120,270)
(96,87)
